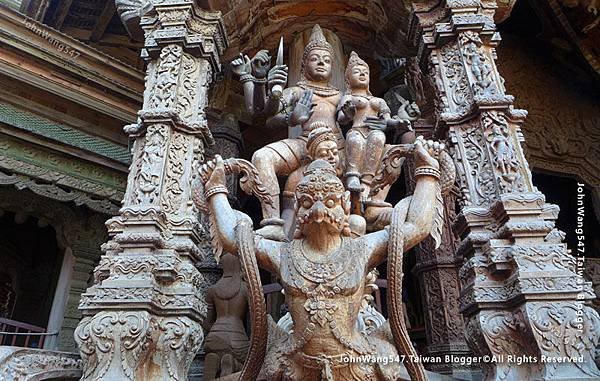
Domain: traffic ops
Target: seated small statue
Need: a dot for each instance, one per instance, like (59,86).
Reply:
(369,117)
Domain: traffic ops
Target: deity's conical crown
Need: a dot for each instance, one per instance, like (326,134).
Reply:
(353,61)
(317,41)
(320,177)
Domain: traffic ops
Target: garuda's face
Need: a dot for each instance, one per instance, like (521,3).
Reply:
(318,65)
(324,207)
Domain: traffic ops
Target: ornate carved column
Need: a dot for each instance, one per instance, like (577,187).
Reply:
(435,269)
(521,292)
(228,143)
(142,316)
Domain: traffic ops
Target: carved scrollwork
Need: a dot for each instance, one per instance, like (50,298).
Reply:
(177,342)
(506,334)
(458,100)
(164,90)
(112,343)
(475,166)
(566,329)
(22,364)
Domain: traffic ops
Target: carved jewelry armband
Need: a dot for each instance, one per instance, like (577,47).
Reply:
(260,81)
(246,78)
(427,171)
(214,190)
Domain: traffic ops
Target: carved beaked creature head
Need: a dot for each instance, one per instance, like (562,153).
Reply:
(322,202)
(322,144)
(357,73)
(317,58)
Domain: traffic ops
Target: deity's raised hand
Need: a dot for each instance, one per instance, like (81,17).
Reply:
(303,109)
(241,65)
(427,153)
(278,75)
(261,63)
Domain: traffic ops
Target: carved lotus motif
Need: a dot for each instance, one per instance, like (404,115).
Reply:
(321,311)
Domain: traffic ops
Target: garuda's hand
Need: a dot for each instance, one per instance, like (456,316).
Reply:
(427,153)
(217,177)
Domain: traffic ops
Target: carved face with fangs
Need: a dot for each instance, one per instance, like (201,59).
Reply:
(323,204)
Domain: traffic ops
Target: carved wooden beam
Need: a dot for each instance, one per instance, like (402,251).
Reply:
(102,21)
(60,14)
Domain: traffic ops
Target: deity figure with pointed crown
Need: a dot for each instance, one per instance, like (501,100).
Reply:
(311,100)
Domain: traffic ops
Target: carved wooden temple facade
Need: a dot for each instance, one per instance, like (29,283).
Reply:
(109,108)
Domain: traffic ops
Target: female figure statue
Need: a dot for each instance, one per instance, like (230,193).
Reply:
(226,343)
(369,117)
(364,142)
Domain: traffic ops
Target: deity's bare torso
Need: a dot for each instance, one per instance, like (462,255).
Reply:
(366,106)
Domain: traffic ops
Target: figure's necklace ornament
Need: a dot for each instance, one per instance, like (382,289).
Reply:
(324,271)
(322,91)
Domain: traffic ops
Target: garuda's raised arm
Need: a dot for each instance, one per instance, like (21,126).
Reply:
(414,216)
(225,220)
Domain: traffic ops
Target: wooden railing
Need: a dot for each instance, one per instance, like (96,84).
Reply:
(18,334)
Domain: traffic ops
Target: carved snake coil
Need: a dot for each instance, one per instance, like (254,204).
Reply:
(394,295)
(258,309)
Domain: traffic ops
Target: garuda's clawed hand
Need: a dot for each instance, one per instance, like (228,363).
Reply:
(218,177)
(427,153)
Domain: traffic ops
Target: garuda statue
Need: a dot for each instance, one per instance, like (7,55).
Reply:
(325,267)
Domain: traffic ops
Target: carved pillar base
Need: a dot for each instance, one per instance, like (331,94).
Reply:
(522,295)
(136,345)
